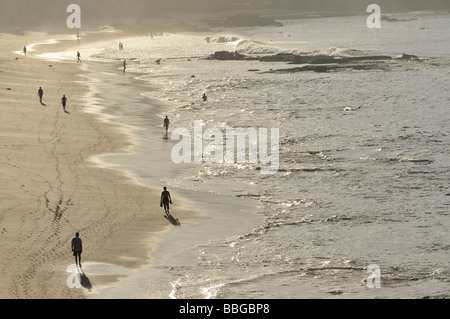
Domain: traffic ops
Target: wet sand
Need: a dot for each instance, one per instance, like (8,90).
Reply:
(50,188)
(148,161)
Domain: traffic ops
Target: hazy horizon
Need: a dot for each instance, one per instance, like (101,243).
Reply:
(52,13)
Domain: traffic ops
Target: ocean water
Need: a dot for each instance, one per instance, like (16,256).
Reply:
(364,164)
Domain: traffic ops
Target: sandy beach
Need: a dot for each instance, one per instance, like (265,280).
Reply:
(50,189)
(359,200)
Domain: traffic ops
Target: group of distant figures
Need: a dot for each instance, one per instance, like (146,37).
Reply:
(166,199)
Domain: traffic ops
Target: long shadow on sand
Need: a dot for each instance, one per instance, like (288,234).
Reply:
(84,280)
(172,219)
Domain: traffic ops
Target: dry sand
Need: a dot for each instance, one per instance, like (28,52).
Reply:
(49,188)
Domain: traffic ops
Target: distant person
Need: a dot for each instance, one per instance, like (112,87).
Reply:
(124,65)
(64,102)
(166,124)
(77,248)
(40,94)
(120,46)
(204,97)
(25,50)
(165,200)
(78,56)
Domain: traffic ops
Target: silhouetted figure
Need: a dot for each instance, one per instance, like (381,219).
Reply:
(124,65)
(64,102)
(120,46)
(78,56)
(25,50)
(77,248)
(204,97)
(40,94)
(165,200)
(166,124)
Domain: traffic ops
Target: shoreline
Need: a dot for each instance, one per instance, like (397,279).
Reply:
(317,237)
(176,240)
(64,193)
(101,269)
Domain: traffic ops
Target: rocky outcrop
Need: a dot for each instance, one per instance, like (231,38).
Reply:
(319,63)
(226,55)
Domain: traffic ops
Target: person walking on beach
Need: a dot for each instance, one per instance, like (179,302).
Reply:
(40,94)
(165,199)
(124,65)
(77,248)
(204,97)
(63,102)
(25,50)
(166,124)
(78,56)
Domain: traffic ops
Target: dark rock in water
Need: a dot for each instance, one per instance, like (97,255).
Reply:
(226,55)
(408,57)
(336,292)
(324,59)
(296,59)
(303,69)
(318,59)
(330,67)
(321,69)
(318,63)
(280,57)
